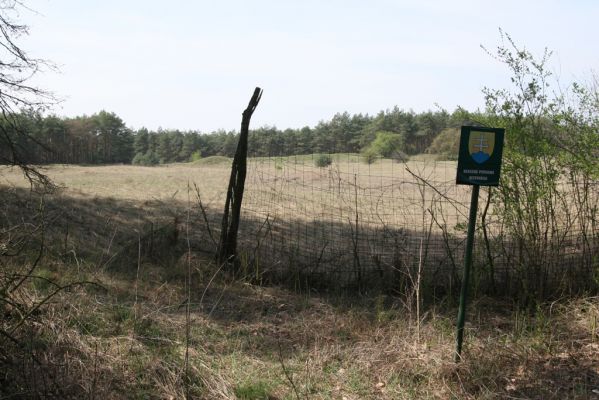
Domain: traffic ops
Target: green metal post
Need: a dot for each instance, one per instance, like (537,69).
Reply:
(466,277)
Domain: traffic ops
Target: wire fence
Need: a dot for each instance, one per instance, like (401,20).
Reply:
(386,224)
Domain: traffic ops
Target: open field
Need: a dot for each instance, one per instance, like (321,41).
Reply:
(303,203)
(350,222)
(375,208)
(211,175)
(131,182)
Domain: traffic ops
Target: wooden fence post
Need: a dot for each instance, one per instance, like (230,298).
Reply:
(227,246)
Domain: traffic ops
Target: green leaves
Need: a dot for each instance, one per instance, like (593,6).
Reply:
(387,143)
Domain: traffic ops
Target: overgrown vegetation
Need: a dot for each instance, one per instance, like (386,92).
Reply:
(550,171)
(124,335)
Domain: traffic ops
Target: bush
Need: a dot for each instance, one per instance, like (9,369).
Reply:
(323,160)
(137,160)
(195,156)
(446,144)
(386,143)
(547,170)
(145,159)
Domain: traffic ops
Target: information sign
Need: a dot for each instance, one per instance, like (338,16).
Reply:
(479,160)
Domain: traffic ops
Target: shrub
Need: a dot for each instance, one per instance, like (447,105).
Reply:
(446,144)
(145,159)
(551,143)
(137,160)
(386,143)
(323,160)
(195,156)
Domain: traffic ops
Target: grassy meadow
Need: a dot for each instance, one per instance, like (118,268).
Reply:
(122,302)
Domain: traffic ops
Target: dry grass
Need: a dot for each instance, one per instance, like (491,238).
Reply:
(126,339)
(253,342)
(128,182)
(294,194)
(126,336)
(286,186)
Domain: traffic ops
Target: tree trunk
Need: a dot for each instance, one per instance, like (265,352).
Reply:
(227,249)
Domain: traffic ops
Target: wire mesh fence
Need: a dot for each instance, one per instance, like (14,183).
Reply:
(336,220)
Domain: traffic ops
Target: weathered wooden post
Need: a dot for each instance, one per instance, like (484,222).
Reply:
(479,164)
(227,247)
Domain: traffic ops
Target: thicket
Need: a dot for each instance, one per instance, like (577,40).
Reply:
(545,209)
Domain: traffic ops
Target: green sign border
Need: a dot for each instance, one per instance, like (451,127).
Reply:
(472,173)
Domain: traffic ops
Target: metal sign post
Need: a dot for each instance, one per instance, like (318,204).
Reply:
(479,164)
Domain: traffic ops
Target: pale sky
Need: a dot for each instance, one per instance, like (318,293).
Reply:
(194,64)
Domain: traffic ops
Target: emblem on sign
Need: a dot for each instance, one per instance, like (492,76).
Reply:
(480,145)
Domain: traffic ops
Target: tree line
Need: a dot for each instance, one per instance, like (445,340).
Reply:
(104,138)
